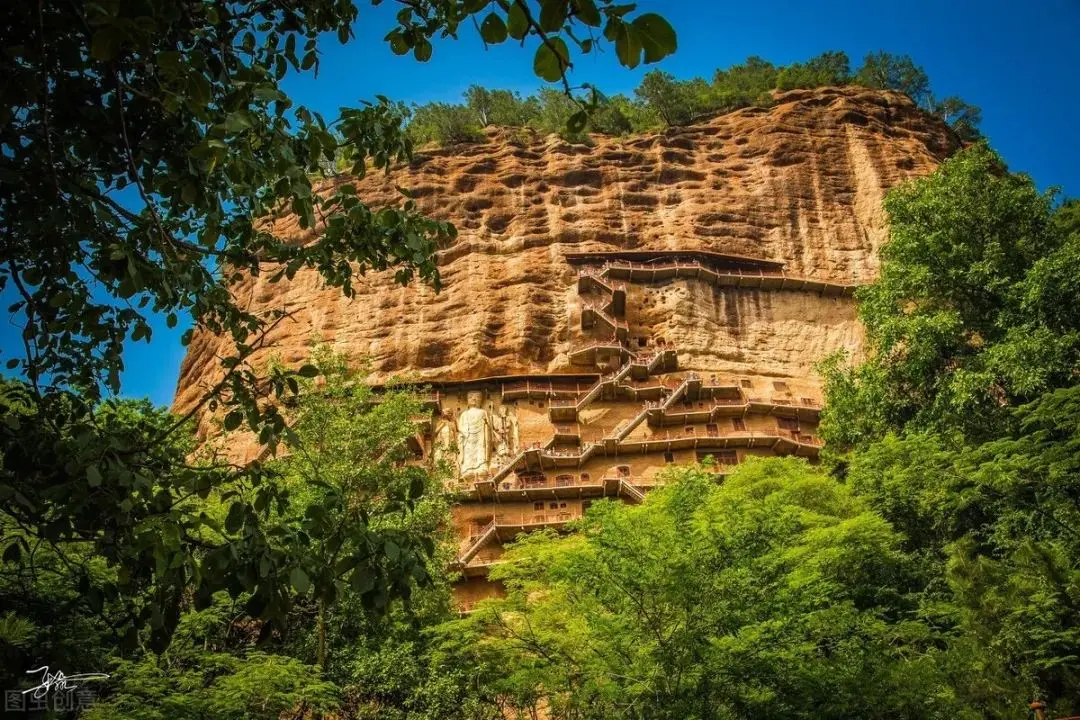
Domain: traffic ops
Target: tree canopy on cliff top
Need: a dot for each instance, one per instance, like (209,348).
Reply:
(662,100)
(145,145)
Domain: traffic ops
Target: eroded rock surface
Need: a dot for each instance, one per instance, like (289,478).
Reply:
(800,183)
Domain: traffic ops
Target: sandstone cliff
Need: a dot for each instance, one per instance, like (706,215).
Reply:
(800,183)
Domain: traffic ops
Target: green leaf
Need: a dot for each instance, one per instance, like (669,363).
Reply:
(398,44)
(416,487)
(362,580)
(105,45)
(493,30)
(656,36)
(299,580)
(422,50)
(586,12)
(237,122)
(267,93)
(308,371)
(12,553)
(627,45)
(551,60)
(233,420)
(553,15)
(517,25)
(235,518)
(577,122)
(93,476)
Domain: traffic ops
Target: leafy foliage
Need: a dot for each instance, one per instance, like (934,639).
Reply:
(206,672)
(966,318)
(775,592)
(444,123)
(662,99)
(347,535)
(895,72)
(372,516)
(829,68)
(899,72)
(180,527)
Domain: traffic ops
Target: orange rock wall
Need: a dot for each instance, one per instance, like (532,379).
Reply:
(801,182)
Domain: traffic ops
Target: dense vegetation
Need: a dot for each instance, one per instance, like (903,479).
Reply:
(662,100)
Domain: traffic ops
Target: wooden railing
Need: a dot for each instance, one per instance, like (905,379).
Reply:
(793,435)
(631,266)
(535,518)
(548,483)
(550,387)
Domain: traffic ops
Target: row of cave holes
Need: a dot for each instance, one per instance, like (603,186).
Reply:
(724,457)
(778,386)
(739,425)
(720,457)
(562,512)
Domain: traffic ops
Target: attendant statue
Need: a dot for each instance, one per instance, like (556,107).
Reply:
(445,440)
(504,424)
(474,438)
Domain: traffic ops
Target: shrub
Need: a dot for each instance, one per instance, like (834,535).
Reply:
(445,124)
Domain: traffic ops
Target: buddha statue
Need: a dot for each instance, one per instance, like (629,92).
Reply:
(474,438)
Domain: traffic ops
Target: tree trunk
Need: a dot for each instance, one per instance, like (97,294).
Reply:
(322,636)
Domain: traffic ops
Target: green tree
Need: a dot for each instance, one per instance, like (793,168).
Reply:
(212,669)
(961,116)
(554,112)
(503,108)
(445,124)
(993,523)
(746,84)
(965,320)
(132,566)
(358,494)
(829,68)
(615,116)
(777,592)
(358,505)
(886,71)
(665,96)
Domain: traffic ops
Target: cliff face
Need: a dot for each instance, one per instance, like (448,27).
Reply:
(800,183)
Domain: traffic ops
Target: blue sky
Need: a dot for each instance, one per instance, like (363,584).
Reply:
(1018,61)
